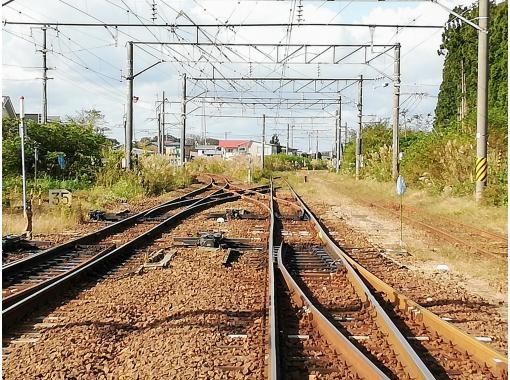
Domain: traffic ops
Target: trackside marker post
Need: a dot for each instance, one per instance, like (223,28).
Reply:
(401,189)
(27,209)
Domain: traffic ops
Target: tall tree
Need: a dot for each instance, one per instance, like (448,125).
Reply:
(460,48)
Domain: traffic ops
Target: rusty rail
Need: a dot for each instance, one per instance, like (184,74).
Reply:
(30,261)
(274,358)
(485,355)
(411,362)
(447,236)
(56,287)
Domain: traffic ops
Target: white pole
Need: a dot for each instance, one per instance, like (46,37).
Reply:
(22,136)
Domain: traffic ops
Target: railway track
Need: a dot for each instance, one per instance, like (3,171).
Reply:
(445,351)
(39,276)
(323,315)
(216,329)
(26,276)
(318,341)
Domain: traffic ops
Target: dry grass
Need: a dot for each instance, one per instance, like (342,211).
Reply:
(462,209)
(51,220)
(47,223)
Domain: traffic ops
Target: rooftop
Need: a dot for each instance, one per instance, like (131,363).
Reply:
(232,143)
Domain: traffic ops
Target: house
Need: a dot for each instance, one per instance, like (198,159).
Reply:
(255,149)
(37,117)
(7,108)
(137,152)
(9,111)
(232,148)
(292,151)
(207,151)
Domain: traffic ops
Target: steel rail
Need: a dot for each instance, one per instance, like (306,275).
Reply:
(27,262)
(338,342)
(16,297)
(412,363)
(15,312)
(290,203)
(482,353)
(274,357)
(445,235)
(476,230)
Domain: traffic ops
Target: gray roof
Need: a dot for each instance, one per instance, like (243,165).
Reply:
(207,147)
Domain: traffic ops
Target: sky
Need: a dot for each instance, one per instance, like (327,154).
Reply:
(88,64)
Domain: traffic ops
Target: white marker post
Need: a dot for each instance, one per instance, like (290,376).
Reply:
(401,189)
(22,137)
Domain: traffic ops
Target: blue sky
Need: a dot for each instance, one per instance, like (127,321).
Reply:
(88,62)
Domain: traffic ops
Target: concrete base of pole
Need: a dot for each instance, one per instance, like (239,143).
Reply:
(479,188)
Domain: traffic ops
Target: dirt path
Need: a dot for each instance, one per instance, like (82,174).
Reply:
(420,252)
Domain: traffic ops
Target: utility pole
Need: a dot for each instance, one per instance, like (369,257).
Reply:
(316,145)
(359,157)
(163,132)
(288,135)
(335,143)
(183,117)
(396,113)
(204,125)
(129,119)
(463,105)
(160,136)
(45,79)
(339,135)
(482,98)
(292,135)
(36,157)
(263,139)
(345,138)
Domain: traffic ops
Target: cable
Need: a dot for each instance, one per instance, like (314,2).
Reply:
(65,57)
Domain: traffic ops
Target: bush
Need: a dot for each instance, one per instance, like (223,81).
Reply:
(285,162)
(158,175)
(128,187)
(80,144)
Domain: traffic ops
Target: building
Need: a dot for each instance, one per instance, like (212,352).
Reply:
(255,149)
(9,112)
(292,151)
(173,151)
(207,151)
(7,108)
(37,117)
(232,148)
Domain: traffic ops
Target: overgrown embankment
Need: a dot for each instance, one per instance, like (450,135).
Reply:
(75,155)
(441,158)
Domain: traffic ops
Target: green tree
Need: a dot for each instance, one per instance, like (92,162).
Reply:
(460,48)
(80,144)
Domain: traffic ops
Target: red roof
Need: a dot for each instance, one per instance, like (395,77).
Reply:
(232,143)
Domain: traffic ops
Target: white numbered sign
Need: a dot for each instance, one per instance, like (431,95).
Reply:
(60,197)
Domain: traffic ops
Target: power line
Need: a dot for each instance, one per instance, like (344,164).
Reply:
(227,26)
(65,57)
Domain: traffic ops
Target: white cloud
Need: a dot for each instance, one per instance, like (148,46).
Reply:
(74,88)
